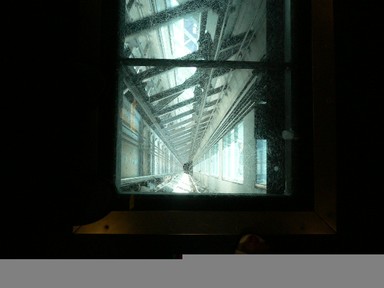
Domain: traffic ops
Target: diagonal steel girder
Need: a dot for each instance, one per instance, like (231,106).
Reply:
(187,126)
(161,69)
(189,101)
(180,133)
(179,140)
(203,125)
(211,103)
(181,115)
(204,120)
(176,132)
(205,114)
(174,92)
(203,24)
(260,66)
(158,19)
(174,126)
(161,106)
(176,106)
(214,91)
(183,142)
(183,147)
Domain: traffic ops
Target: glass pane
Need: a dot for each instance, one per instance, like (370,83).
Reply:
(205,29)
(230,120)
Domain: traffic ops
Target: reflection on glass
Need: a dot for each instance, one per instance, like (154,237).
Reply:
(233,154)
(261,162)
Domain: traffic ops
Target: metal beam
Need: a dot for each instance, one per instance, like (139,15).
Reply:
(159,70)
(189,125)
(196,78)
(177,90)
(182,146)
(205,114)
(181,141)
(208,110)
(203,124)
(190,120)
(183,149)
(174,107)
(212,103)
(181,115)
(181,137)
(203,24)
(161,104)
(202,127)
(175,133)
(180,133)
(257,65)
(166,101)
(204,119)
(166,16)
(215,91)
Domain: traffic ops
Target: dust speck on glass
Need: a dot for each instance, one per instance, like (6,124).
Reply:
(205,97)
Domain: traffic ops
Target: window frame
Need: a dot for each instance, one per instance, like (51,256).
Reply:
(319,219)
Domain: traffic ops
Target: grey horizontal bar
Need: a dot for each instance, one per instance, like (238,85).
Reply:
(204,63)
